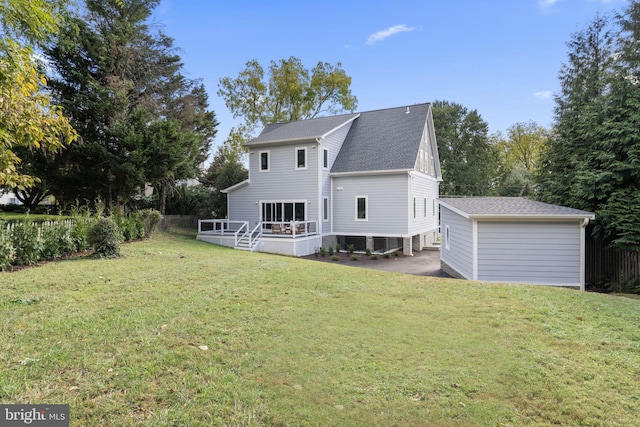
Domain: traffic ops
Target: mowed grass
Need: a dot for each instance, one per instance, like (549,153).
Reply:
(296,342)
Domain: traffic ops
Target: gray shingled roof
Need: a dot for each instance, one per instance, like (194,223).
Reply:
(300,130)
(383,140)
(510,207)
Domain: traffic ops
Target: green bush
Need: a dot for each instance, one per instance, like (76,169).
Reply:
(368,252)
(56,241)
(335,258)
(150,220)
(352,248)
(27,246)
(322,251)
(105,237)
(374,257)
(6,249)
(79,233)
(330,250)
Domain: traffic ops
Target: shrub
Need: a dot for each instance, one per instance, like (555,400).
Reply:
(387,255)
(374,256)
(352,248)
(335,258)
(27,246)
(56,241)
(150,220)
(368,252)
(354,257)
(79,234)
(105,237)
(322,251)
(6,249)
(338,247)
(330,251)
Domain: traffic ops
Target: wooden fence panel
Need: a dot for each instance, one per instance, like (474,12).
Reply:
(616,269)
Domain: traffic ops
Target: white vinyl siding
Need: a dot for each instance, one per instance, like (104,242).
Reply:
(387,205)
(332,144)
(458,252)
(526,252)
(282,183)
(424,188)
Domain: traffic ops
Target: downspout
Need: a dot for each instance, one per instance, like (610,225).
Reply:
(320,208)
(410,211)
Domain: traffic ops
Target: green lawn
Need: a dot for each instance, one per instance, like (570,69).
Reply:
(295,342)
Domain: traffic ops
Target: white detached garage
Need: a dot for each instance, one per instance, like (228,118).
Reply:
(512,239)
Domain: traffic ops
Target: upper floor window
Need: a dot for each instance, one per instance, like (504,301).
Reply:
(301,158)
(325,162)
(264,161)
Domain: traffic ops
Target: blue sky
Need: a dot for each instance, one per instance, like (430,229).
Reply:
(500,57)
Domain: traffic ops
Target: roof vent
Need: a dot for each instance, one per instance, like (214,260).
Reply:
(407,112)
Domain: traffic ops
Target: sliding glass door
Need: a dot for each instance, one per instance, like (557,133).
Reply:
(283,211)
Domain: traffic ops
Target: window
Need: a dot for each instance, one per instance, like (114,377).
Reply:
(361,208)
(425,207)
(447,237)
(301,158)
(283,211)
(325,209)
(264,161)
(325,154)
(415,202)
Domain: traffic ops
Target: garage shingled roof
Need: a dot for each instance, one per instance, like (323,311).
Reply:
(510,207)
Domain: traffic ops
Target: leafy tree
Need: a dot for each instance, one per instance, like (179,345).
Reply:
(225,170)
(27,116)
(467,157)
(288,92)
(520,154)
(140,119)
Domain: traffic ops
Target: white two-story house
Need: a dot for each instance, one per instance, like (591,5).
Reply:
(366,179)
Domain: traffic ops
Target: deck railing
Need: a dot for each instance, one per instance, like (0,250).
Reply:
(290,228)
(220,226)
(240,229)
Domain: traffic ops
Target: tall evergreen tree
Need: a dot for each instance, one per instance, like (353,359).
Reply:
(566,176)
(593,161)
(120,83)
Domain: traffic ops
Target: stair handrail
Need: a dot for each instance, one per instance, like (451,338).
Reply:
(245,224)
(258,227)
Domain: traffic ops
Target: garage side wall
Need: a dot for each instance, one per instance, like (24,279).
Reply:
(529,252)
(456,255)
